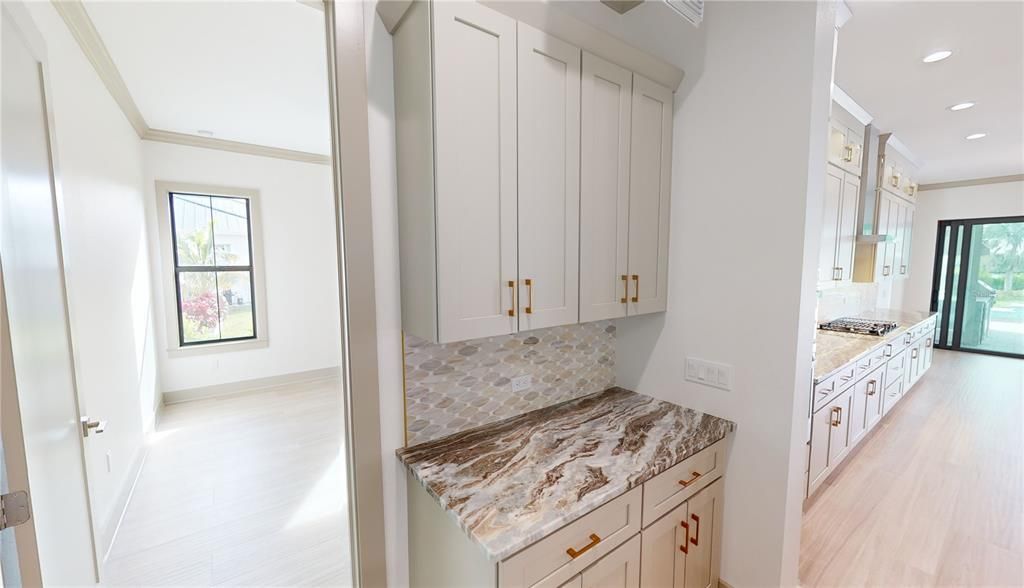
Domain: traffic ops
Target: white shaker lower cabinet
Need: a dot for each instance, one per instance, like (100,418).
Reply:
(549,180)
(683,548)
(608,547)
(852,401)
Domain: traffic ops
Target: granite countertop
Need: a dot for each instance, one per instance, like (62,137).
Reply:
(510,483)
(834,350)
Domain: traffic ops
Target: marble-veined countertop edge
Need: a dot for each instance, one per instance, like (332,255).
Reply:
(511,483)
(828,362)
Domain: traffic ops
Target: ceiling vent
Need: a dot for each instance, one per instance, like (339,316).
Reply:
(691,10)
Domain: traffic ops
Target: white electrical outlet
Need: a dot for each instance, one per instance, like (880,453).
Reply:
(709,373)
(520,383)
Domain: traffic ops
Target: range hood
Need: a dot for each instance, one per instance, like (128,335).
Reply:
(874,146)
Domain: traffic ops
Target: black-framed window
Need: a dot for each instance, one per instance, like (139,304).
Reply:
(211,238)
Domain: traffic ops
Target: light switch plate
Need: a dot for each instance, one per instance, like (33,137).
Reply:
(709,373)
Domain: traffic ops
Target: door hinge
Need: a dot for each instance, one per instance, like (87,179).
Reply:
(14,509)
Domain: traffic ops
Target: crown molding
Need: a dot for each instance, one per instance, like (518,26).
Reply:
(89,41)
(176,138)
(88,38)
(974,182)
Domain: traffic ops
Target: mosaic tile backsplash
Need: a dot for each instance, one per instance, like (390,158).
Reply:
(456,386)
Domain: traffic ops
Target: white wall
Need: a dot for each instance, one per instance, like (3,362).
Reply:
(298,230)
(107,266)
(989,200)
(748,173)
(383,185)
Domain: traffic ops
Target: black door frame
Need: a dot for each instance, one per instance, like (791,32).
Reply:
(948,312)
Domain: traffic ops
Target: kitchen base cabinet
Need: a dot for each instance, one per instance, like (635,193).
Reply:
(865,405)
(605,548)
(683,548)
(893,393)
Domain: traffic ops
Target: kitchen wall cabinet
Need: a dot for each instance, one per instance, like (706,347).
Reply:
(845,140)
(650,173)
(549,179)
(489,114)
(839,226)
(607,96)
(683,548)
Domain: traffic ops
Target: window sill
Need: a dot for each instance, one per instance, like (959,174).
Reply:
(223,347)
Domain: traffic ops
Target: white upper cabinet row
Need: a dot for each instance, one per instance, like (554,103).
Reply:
(845,140)
(533,178)
(842,197)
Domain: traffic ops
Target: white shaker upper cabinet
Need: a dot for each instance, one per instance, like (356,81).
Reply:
(649,192)
(549,180)
(604,179)
(455,107)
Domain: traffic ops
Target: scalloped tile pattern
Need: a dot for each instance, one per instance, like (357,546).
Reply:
(456,386)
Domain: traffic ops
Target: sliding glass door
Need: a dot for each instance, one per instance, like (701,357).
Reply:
(978,286)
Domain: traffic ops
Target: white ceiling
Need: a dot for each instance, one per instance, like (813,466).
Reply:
(879,65)
(246,71)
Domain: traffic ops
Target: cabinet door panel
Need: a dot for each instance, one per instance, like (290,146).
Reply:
(663,561)
(549,180)
(846,241)
(604,189)
(475,160)
(838,437)
(649,190)
(618,569)
(821,430)
(887,226)
(836,142)
(702,561)
(830,225)
(908,229)
(855,139)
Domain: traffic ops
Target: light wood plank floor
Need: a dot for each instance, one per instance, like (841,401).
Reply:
(246,490)
(936,496)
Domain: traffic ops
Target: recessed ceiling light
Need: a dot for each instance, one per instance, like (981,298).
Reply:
(962,106)
(205,133)
(937,56)
(976,136)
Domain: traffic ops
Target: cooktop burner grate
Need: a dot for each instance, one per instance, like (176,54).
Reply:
(859,326)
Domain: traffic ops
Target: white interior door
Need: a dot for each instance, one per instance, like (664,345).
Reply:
(33,276)
(649,191)
(475,162)
(604,189)
(549,179)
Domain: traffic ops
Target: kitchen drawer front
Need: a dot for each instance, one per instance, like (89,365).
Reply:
(894,347)
(893,393)
(870,361)
(827,389)
(894,368)
(670,488)
(548,563)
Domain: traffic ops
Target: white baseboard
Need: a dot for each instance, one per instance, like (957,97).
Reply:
(109,531)
(250,386)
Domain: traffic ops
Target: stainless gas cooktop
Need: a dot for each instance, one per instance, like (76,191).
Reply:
(859,326)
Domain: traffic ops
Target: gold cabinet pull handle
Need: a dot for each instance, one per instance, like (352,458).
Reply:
(886,270)
(871,387)
(696,534)
(512,287)
(625,289)
(849,152)
(686,538)
(685,483)
(837,416)
(529,296)
(636,288)
(594,540)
